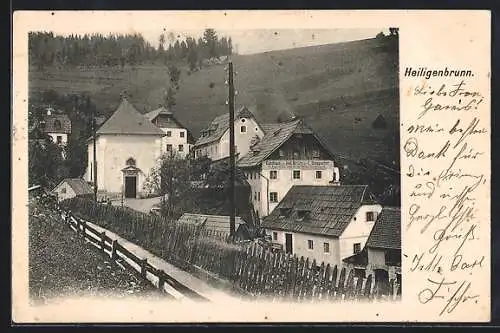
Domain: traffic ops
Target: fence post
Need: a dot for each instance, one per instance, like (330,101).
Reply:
(103,241)
(84,233)
(161,279)
(78,226)
(144,263)
(114,245)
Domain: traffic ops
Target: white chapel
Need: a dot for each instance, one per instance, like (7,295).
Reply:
(128,146)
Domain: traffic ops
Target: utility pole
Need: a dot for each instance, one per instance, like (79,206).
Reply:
(232,217)
(94,131)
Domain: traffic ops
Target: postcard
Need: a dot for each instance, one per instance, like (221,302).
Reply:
(251,166)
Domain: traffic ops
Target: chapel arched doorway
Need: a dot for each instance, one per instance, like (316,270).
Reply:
(130,174)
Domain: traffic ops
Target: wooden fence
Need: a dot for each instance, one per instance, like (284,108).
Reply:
(126,258)
(257,271)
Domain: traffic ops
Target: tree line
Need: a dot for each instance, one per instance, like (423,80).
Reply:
(118,50)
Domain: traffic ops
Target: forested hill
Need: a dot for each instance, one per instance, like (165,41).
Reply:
(117,50)
(339,89)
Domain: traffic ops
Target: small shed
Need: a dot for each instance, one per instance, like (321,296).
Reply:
(72,187)
(217,223)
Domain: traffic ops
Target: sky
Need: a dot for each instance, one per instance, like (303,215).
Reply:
(252,31)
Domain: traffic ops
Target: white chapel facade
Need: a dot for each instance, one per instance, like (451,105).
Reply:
(128,146)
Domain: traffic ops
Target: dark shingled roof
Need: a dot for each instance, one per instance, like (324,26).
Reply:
(331,209)
(270,127)
(276,135)
(386,232)
(127,120)
(220,125)
(218,223)
(57,123)
(80,186)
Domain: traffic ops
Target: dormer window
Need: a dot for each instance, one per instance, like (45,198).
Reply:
(315,153)
(285,211)
(302,214)
(57,124)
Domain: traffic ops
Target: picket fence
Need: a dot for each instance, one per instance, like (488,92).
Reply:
(252,269)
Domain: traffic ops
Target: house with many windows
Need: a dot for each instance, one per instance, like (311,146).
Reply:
(214,139)
(177,140)
(326,223)
(289,154)
(128,146)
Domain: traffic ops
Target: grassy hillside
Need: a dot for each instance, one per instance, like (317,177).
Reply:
(339,89)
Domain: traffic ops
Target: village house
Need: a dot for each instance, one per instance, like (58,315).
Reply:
(218,224)
(128,146)
(57,126)
(214,140)
(72,187)
(289,154)
(177,140)
(325,223)
(381,254)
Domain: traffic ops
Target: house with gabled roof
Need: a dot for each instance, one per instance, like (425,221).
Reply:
(128,146)
(177,140)
(326,223)
(57,126)
(214,139)
(73,187)
(382,250)
(288,154)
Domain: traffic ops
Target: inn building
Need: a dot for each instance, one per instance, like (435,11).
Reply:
(288,154)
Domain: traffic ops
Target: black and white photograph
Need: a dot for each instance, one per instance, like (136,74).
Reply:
(266,159)
(217,164)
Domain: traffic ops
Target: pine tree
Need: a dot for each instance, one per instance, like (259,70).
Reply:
(184,50)
(192,58)
(210,38)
